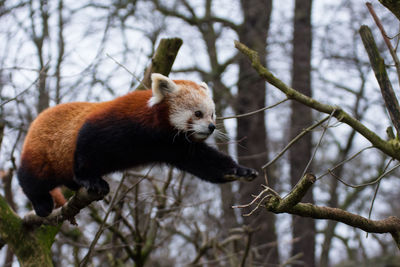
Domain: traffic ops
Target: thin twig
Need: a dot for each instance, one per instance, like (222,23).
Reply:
(247,249)
(319,143)
(125,68)
(26,89)
(256,208)
(376,191)
(366,184)
(253,112)
(294,140)
(86,259)
(252,202)
(266,190)
(343,162)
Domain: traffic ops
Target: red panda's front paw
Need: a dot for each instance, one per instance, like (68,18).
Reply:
(241,173)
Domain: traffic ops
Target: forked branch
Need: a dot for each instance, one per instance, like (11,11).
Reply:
(291,204)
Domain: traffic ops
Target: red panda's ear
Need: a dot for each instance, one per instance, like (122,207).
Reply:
(204,86)
(161,86)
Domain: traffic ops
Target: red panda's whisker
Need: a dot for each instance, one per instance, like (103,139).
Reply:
(222,136)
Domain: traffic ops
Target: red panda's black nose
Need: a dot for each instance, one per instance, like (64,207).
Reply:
(211,127)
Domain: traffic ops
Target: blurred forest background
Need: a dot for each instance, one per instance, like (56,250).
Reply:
(60,51)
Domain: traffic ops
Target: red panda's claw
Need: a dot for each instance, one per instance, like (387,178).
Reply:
(242,173)
(96,186)
(250,175)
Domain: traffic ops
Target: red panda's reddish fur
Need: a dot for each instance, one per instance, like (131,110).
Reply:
(53,134)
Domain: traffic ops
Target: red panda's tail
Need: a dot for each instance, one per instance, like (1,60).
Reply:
(58,197)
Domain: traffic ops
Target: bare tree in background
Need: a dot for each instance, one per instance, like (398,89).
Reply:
(301,118)
(251,132)
(39,30)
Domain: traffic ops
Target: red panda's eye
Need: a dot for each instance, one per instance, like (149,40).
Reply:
(198,114)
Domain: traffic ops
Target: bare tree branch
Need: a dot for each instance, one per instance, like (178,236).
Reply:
(253,112)
(391,148)
(294,140)
(162,60)
(291,204)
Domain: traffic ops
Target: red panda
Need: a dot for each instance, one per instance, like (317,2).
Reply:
(75,144)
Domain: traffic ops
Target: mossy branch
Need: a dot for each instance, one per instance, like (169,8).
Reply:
(291,204)
(162,60)
(389,148)
(378,65)
(32,247)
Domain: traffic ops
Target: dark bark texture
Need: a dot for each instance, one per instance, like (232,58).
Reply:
(251,131)
(301,118)
(393,6)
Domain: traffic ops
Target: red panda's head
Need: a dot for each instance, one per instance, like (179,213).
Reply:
(191,109)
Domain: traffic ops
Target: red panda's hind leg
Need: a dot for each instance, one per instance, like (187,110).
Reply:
(37,191)
(42,204)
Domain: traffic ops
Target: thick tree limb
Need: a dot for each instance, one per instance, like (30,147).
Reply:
(291,204)
(378,65)
(388,225)
(391,148)
(393,6)
(162,60)
(29,245)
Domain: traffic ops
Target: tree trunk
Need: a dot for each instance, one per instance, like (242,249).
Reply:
(32,247)
(301,118)
(252,148)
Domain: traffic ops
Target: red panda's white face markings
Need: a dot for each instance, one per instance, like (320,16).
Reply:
(191,109)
